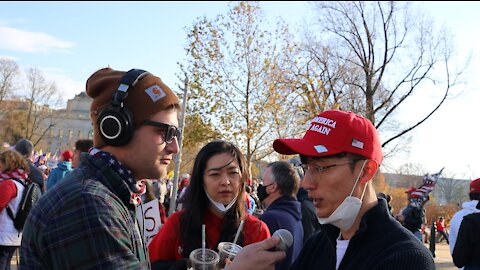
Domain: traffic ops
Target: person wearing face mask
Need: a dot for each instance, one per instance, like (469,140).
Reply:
(283,210)
(341,154)
(215,197)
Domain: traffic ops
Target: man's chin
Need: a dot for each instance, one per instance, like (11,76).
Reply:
(154,175)
(162,174)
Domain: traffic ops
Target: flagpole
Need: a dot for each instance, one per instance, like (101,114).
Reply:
(178,156)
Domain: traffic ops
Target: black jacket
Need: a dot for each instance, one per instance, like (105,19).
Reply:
(466,252)
(36,176)
(380,243)
(309,214)
(414,218)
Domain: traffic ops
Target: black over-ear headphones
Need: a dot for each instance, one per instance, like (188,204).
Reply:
(115,122)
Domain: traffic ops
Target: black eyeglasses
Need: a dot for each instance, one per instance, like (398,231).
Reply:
(317,169)
(171,130)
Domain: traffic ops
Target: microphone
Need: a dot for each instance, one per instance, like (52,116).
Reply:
(286,239)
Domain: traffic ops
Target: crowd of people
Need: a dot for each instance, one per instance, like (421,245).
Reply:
(324,196)
(17,168)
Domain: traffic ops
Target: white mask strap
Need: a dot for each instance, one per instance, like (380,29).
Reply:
(356,181)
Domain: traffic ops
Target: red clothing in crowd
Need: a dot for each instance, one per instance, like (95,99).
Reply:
(166,244)
(440,226)
(8,191)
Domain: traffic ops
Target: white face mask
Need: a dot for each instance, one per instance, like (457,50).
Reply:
(346,213)
(219,206)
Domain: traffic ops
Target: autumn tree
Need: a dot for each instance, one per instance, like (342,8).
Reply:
(380,184)
(40,95)
(411,169)
(370,58)
(451,190)
(197,133)
(9,72)
(234,65)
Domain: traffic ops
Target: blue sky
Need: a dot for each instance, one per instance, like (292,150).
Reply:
(68,41)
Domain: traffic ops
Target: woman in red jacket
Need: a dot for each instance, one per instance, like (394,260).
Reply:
(214,198)
(12,166)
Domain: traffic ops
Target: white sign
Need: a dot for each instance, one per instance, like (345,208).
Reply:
(148,217)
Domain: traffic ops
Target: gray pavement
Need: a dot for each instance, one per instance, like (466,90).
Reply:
(443,259)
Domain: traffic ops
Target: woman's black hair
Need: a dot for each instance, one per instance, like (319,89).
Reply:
(196,203)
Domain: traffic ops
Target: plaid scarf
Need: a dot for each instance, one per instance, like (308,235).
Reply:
(16,174)
(137,188)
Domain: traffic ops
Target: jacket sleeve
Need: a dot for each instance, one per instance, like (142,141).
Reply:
(8,191)
(52,179)
(164,246)
(98,228)
(462,252)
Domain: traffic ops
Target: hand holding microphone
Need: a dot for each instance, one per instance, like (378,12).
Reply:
(265,254)
(286,240)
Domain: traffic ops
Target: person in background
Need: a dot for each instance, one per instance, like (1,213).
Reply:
(250,203)
(468,208)
(466,252)
(63,167)
(441,228)
(341,154)
(283,211)
(215,197)
(182,188)
(184,181)
(152,192)
(81,146)
(88,220)
(426,233)
(413,216)
(44,170)
(12,166)
(388,199)
(309,216)
(25,147)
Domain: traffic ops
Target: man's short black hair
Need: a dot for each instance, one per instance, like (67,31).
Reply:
(83,145)
(474,196)
(24,147)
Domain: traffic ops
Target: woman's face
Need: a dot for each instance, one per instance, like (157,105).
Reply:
(222,178)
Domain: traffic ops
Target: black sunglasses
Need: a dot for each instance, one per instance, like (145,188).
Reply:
(172,131)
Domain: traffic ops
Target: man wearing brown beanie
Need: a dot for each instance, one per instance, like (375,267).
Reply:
(88,219)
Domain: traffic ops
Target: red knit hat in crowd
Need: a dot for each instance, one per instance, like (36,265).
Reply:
(147,97)
(67,155)
(333,132)
(475,186)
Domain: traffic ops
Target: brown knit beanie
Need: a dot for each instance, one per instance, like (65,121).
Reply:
(149,96)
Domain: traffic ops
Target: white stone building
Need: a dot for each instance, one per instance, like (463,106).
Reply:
(70,124)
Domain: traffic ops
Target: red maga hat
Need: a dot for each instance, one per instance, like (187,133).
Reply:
(333,132)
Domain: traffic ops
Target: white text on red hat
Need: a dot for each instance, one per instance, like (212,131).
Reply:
(322,129)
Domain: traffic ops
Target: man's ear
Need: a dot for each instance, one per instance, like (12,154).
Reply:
(369,170)
(275,186)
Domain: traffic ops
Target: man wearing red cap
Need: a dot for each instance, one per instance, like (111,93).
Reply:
(341,154)
(88,220)
(465,231)
(64,166)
